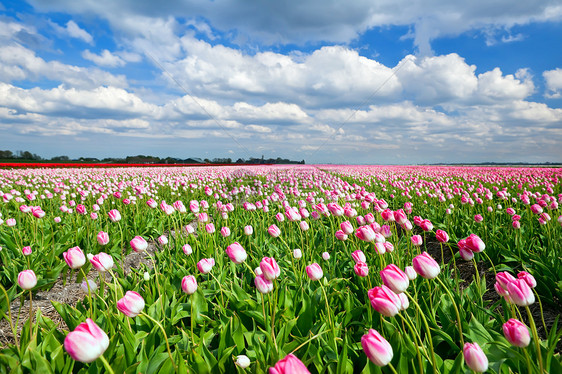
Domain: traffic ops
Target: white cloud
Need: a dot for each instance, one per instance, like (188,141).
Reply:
(74,31)
(106,58)
(553,79)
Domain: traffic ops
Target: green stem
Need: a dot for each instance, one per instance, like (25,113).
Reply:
(392,368)
(10,320)
(456,309)
(420,362)
(422,315)
(106,364)
(527,358)
(30,316)
(535,338)
(165,338)
(89,292)
(329,313)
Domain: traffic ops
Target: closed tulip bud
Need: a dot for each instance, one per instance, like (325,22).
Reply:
(242,361)
(297,253)
(26,251)
(74,258)
(269,268)
(87,342)
(380,248)
(304,225)
(400,216)
(340,235)
(369,218)
(365,233)
(516,333)
(236,253)
(478,218)
(103,238)
(102,262)
(289,365)
(314,272)
(536,208)
(114,215)
(358,256)
(131,304)
(27,279)
(325,256)
(187,250)
(531,281)
(361,269)
(94,216)
(57,219)
(385,301)
(426,225)
(206,265)
(466,254)
(475,358)
(248,230)
(210,228)
(410,272)
(146,276)
(263,284)
(475,244)
(520,292)
(377,348)
(274,231)
(225,232)
(407,225)
(442,236)
(426,266)
(189,284)
(93,286)
(516,225)
(416,240)
(346,227)
(280,217)
(138,244)
(504,278)
(394,278)
(162,240)
(404,300)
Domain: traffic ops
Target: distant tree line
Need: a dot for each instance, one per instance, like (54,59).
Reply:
(142,159)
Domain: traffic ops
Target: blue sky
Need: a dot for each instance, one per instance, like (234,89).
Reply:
(385,82)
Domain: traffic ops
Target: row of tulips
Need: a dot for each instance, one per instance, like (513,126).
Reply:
(286,284)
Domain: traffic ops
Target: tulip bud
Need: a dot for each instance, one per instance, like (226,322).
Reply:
(74,257)
(242,361)
(189,284)
(325,256)
(146,276)
(377,348)
(520,292)
(410,272)
(269,268)
(394,278)
(26,251)
(475,358)
(426,266)
(114,215)
(263,284)
(528,278)
(27,279)
(416,240)
(138,244)
(248,230)
(187,250)
(93,286)
(385,301)
(87,342)
(314,272)
(131,304)
(361,269)
(103,238)
(516,333)
(289,365)
(205,265)
(442,236)
(297,253)
(274,231)
(102,262)
(236,253)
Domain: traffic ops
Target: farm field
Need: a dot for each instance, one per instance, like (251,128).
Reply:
(281,269)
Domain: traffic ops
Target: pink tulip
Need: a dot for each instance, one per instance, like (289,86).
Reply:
(297,253)
(520,292)
(385,301)
(74,257)
(87,342)
(531,281)
(400,216)
(210,228)
(361,269)
(503,279)
(416,240)
(263,284)
(536,209)
(138,244)
(131,304)
(189,284)
(274,231)
(187,250)
(475,244)
(425,266)
(408,207)
(478,218)
(377,348)
(394,278)
(358,256)
(103,238)
(248,230)
(475,358)
(102,262)
(269,268)
(27,279)
(151,203)
(205,265)
(114,215)
(516,333)
(405,302)
(442,236)
(314,272)
(236,253)
(325,256)
(26,251)
(347,228)
(289,365)
(340,235)
(365,233)
(225,232)
(426,225)
(410,272)
(304,225)
(335,209)
(203,217)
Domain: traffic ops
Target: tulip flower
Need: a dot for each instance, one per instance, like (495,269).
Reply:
(102,262)
(189,284)
(347,228)
(442,236)
(394,278)
(236,253)
(516,333)
(304,225)
(26,251)
(314,272)
(87,342)
(426,266)
(520,292)
(426,225)
(475,358)
(325,256)
(210,228)
(274,231)
(340,235)
(416,240)
(377,348)
(74,257)
(528,278)
(114,215)
(225,232)
(358,256)
(138,244)
(289,365)
(205,265)
(103,238)
(187,250)
(385,301)
(365,233)
(242,361)
(474,243)
(269,268)
(263,284)
(27,279)
(248,230)
(361,269)
(131,304)
(91,284)
(410,272)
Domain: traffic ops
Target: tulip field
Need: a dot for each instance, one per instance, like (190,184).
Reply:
(281,269)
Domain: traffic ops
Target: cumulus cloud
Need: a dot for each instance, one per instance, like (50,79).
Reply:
(553,79)
(74,31)
(105,58)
